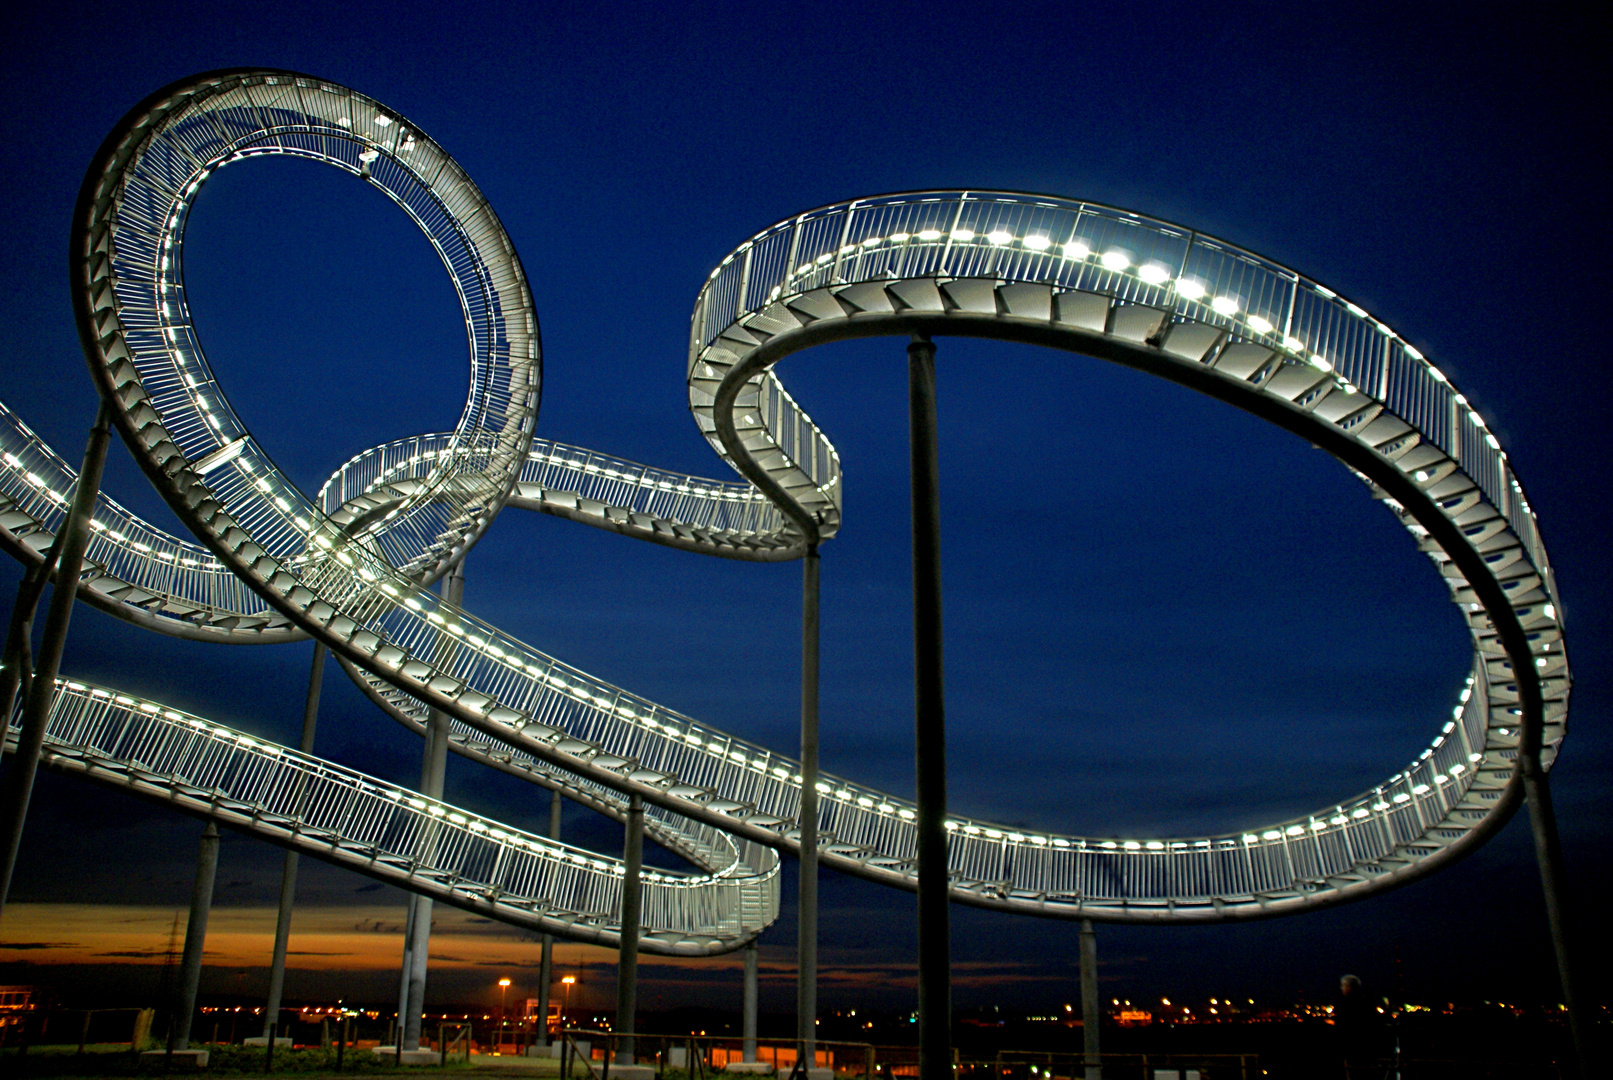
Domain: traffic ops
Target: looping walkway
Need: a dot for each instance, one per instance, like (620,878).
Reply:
(350,568)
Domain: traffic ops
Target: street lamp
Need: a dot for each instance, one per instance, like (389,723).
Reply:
(567,981)
(503,1013)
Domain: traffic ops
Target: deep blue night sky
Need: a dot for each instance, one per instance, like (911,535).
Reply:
(1163,616)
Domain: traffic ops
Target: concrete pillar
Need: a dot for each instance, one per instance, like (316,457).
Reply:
(546,966)
(1091,1006)
(190,964)
(806,945)
(288,872)
(632,918)
(17,786)
(751,1002)
(935,953)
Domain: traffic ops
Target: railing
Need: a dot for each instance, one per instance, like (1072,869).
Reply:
(1159,1065)
(702,843)
(1072,244)
(700,1056)
(185,577)
(287,792)
(677,498)
(170,155)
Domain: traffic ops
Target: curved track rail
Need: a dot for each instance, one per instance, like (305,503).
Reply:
(350,569)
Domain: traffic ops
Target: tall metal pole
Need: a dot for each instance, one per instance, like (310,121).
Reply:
(407,967)
(16,660)
(190,964)
(632,917)
(546,967)
(433,773)
(935,955)
(288,872)
(1549,854)
(806,944)
(1091,1016)
(17,786)
(751,1002)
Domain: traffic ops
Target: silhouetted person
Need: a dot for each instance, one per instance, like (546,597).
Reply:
(1355,1022)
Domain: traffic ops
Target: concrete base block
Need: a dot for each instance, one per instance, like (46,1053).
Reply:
(820,1074)
(182,1059)
(632,1072)
(261,1040)
(749,1068)
(548,1050)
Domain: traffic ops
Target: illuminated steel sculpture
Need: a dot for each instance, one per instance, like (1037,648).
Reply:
(350,567)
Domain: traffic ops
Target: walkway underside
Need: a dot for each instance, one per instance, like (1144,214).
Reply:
(351,567)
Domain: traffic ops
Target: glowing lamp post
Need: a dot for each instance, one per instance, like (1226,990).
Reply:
(568,981)
(503,988)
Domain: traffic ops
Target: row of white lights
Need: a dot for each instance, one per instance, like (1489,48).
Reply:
(60,499)
(580,690)
(479,825)
(682,486)
(1156,274)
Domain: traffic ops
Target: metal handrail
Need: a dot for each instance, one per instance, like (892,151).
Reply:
(1014,236)
(283,794)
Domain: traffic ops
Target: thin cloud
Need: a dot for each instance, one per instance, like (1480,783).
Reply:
(38,945)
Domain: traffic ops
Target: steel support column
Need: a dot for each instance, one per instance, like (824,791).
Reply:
(546,966)
(1091,1009)
(632,917)
(190,965)
(1549,854)
(407,968)
(935,955)
(751,1002)
(806,944)
(16,660)
(288,872)
(433,772)
(17,787)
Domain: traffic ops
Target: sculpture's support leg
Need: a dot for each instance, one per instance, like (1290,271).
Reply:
(751,1003)
(806,988)
(1549,854)
(546,966)
(935,957)
(1091,1010)
(632,916)
(407,968)
(190,964)
(433,772)
(418,948)
(17,786)
(16,660)
(288,873)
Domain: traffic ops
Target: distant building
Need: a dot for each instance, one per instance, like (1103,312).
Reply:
(17,1001)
